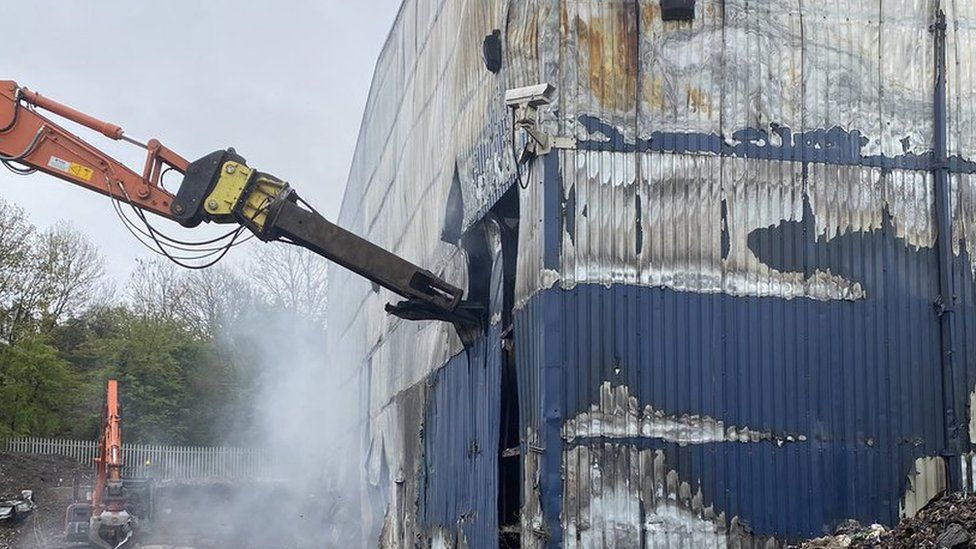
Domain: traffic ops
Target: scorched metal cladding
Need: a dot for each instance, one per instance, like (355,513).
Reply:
(734,307)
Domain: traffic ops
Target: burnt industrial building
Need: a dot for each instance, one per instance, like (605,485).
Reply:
(726,262)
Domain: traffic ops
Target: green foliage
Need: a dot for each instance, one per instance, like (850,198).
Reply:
(176,387)
(172,383)
(180,343)
(37,388)
(144,355)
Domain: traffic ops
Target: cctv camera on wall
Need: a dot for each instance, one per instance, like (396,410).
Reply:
(525,103)
(530,96)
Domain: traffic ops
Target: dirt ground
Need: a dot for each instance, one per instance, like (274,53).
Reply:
(212,515)
(51,478)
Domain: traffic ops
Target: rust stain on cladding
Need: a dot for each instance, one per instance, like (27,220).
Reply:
(650,14)
(532,36)
(610,41)
(521,37)
(564,30)
(698,101)
(653,92)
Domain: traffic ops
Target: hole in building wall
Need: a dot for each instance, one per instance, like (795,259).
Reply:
(481,253)
(491,50)
(475,245)
(726,239)
(506,211)
(639,241)
(569,214)
(678,10)
(454,212)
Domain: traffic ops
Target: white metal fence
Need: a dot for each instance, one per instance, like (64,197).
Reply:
(161,462)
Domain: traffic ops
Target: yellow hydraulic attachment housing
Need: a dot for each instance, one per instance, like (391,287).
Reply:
(229,196)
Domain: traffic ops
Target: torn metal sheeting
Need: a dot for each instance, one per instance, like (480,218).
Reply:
(730,302)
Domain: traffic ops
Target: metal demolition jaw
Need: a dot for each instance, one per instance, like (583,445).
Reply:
(222,188)
(110,529)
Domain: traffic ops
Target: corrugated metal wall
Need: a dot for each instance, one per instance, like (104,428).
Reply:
(728,319)
(461,447)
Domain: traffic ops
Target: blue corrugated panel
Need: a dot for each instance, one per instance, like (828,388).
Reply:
(840,397)
(462,431)
(461,446)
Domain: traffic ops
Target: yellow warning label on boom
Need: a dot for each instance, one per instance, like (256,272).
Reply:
(81,172)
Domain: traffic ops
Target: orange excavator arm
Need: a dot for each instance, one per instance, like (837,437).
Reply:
(33,140)
(109,524)
(218,188)
(108,464)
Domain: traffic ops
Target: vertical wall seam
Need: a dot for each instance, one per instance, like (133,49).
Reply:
(946,299)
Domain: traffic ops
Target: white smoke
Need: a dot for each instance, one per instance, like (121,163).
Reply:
(307,415)
(305,408)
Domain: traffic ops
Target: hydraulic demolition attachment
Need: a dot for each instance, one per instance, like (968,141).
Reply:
(218,188)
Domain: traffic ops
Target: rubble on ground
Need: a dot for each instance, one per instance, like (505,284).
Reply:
(16,509)
(948,522)
(849,534)
(943,521)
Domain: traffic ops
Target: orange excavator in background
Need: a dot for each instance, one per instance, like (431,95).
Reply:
(218,188)
(107,518)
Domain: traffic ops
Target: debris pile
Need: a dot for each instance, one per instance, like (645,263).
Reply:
(849,534)
(948,522)
(16,509)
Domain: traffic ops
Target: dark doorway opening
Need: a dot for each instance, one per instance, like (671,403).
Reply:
(506,211)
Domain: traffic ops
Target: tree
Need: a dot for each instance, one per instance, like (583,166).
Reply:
(17,236)
(214,300)
(216,402)
(81,342)
(36,388)
(206,301)
(18,271)
(72,268)
(291,278)
(145,354)
(156,289)
(201,356)
(44,277)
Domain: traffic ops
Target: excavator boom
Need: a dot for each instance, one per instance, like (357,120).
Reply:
(218,188)
(32,140)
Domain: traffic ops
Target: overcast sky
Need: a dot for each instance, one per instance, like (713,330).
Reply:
(283,82)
